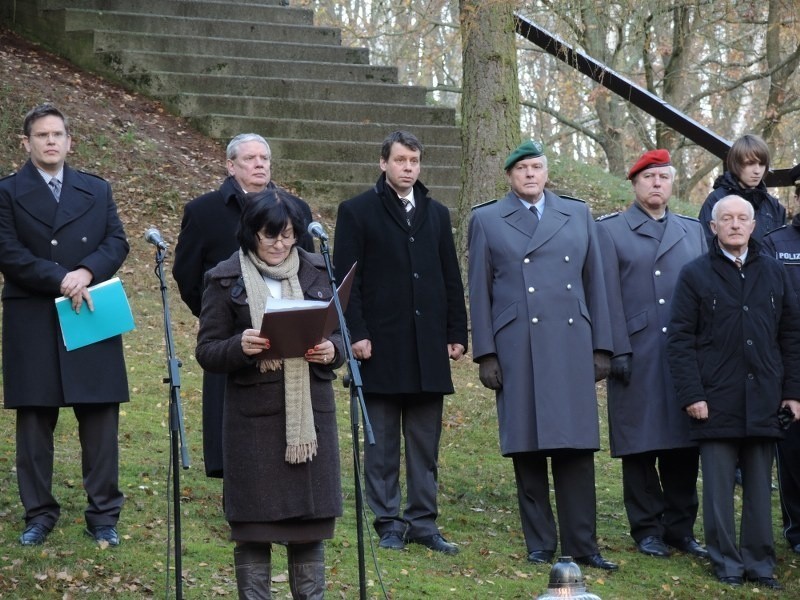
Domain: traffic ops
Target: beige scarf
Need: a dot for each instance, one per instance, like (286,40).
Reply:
(301,437)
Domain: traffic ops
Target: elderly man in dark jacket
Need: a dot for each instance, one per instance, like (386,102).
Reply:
(644,249)
(59,234)
(783,244)
(541,334)
(207,237)
(734,354)
(407,319)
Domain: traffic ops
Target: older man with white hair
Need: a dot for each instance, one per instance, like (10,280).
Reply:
(208,236)
(734,353)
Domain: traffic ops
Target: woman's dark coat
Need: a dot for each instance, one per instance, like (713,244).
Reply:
(41,240)
(260,486)
(407,296)
(734,342)
(770,213)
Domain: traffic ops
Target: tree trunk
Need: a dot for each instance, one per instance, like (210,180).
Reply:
(489,105)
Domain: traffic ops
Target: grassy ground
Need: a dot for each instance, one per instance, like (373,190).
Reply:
(155,163)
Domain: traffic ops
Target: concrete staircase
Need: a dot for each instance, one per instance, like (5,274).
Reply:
(255,65)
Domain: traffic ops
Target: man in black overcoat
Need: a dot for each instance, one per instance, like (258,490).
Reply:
(59,234)
(407,319)
(207,237)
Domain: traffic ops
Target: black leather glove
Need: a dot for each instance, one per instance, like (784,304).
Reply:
(621,368)
(490,373)
(602,365)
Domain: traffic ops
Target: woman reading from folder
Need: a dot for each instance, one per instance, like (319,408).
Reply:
(280,445)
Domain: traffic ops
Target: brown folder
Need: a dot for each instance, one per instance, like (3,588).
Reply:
(292,332)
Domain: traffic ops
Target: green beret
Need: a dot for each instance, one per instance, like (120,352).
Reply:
(529,149)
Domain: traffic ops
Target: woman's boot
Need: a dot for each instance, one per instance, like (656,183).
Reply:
(307,570)
(252,564)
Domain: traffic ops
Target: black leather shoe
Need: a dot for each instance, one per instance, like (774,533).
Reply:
(104,533)
(689,545)
(796,548)
(392,540)
(436,543)
(597,561)
(540,557)
(766,582)
(731,580)
(34,535)
(653,545)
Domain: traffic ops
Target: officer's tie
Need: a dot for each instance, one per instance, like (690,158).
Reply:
(55,187)
(535,214)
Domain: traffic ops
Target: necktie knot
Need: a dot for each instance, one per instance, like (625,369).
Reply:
(738,262)
(55,187)
(409,208)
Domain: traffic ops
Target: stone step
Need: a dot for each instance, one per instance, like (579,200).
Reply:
(325,196)
(225,126)
(81,20)
(136,62)
(260,12)
(364,174)
(161,83)
(109,41)
(299,108)
(346,151)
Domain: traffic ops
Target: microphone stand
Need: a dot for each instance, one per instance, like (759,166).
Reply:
(352,381)
(177,433)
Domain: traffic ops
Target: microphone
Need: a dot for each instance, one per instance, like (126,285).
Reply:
(316,230)
(153,236)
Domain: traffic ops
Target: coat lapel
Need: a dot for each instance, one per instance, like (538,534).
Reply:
(33,195)
(76,199)
(673,234)
(555,216)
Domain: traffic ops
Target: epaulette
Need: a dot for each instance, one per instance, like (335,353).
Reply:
(776,229)
(90,174)
(565,197)
(687,217)
(607,216)
(484,204)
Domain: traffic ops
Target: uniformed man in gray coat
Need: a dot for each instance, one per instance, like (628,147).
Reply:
(542,337)
(644,248)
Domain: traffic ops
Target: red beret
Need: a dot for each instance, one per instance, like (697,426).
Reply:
(653,158)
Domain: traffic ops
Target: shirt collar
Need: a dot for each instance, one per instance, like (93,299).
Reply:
(539,204)
(732,258)
(47,177)
(409,197)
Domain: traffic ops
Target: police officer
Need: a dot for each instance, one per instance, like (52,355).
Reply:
(784,244)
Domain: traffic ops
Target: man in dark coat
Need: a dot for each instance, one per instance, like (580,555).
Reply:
(407,319)
(207,237)
(644,249)
(734,353)
(541,334)
(59,234)
(784,245)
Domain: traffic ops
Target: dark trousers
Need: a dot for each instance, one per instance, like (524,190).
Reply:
(573,481)
(754,554)
(789,481)
(660,493)
(97,430)
(419,417)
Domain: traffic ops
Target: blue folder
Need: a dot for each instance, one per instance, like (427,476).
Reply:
(111,316)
